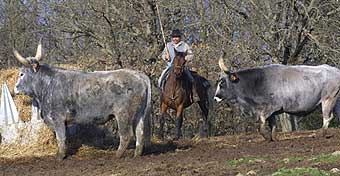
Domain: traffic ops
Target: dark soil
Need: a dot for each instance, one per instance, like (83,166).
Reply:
(211,156)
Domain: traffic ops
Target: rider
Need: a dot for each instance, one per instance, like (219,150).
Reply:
(169,55)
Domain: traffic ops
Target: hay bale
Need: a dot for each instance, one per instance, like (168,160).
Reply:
(42,142)
(38,140)
(22,102)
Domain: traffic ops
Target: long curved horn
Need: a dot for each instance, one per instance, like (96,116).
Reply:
(39,51)
(223,67)
(20,58)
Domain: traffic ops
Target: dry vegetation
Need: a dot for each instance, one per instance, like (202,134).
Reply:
(46,145)
(111,34)
(23,103)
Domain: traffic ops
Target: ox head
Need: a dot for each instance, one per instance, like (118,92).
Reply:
(225,86)
(179,62)
(26,76)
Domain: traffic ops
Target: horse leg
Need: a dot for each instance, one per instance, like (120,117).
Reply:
(179,122)
(164,108)
(204,128)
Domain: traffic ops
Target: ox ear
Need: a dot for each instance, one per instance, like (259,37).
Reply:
(233,77)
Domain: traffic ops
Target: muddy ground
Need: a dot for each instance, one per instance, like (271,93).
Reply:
(223,155)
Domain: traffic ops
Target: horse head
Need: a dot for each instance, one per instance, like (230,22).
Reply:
(178,63)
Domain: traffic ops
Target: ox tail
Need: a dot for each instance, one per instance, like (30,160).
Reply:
(147,114)
(143,128)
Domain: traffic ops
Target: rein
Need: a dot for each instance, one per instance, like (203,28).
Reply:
(172,73)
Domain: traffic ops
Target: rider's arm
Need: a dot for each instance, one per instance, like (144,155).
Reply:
(190,54)
(165,54)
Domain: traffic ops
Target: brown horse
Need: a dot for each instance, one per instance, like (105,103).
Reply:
(177,95)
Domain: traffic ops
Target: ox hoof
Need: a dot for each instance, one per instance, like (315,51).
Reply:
(119,154)
(325,133)
(61,156)
(267,137)
(138,151)
(274,139)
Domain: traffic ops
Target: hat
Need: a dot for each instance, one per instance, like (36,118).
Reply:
(176,33)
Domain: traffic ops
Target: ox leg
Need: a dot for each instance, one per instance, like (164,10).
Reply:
(327,108)
(263,130)
(140,137)
(327,113)
(60,130)
(272,126)
(125,133)
(179,122)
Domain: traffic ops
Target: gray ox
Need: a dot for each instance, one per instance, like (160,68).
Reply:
(68,96)
(273,89)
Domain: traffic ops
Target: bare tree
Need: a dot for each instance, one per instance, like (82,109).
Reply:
(110,34)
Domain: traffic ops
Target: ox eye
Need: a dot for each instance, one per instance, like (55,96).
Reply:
(21,74)
(222,82)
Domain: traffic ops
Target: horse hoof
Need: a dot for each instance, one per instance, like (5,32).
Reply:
(160,137)
(203,135)
(176,138)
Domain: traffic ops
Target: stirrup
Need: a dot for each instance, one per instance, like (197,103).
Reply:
(195,97)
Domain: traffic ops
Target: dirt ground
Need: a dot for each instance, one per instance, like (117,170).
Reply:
(224,155)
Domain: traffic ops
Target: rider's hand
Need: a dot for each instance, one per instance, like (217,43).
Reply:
(167,56)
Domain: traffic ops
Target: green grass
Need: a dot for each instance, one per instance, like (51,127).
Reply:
(309,170)
(326,158)
(300,171)
(291,160)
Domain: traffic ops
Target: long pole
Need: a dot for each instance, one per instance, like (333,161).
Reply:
(162,31)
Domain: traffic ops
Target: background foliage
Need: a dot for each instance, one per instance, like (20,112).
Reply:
(112,34)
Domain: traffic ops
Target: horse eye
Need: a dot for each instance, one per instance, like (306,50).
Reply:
(21,74)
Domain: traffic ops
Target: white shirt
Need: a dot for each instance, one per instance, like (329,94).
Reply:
(180,47)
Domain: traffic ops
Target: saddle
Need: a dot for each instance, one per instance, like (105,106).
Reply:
(198,79)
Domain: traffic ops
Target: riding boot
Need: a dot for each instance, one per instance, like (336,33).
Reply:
(195,97)
(162,85)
